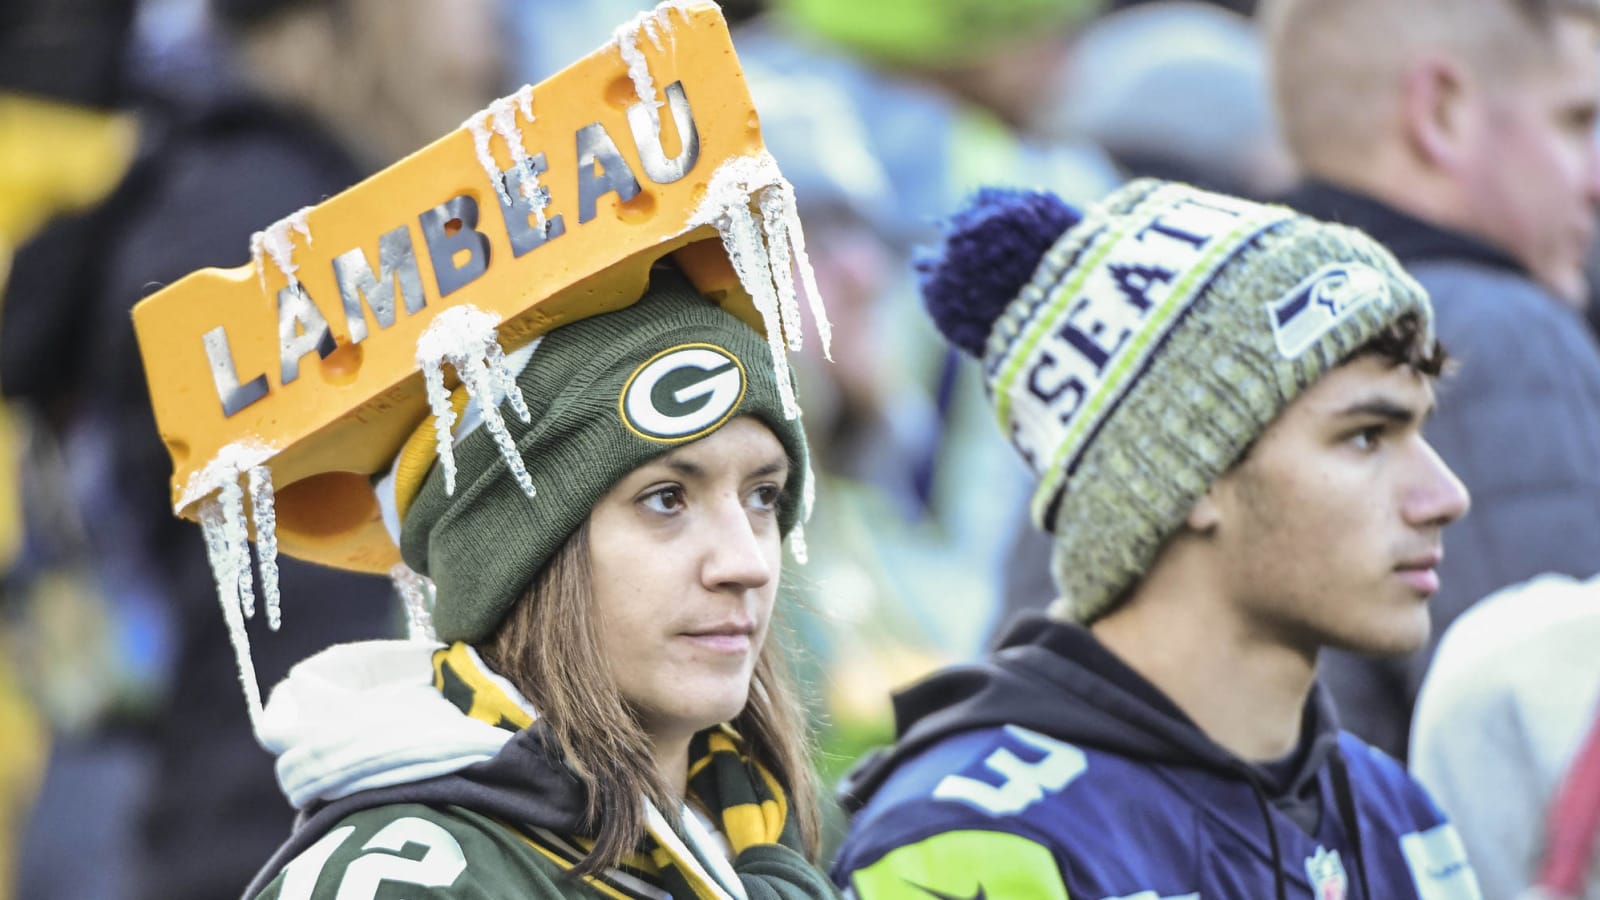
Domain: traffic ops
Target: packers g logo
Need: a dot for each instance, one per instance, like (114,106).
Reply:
(682,392)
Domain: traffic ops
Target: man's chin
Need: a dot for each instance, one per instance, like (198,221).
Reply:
(1397,639)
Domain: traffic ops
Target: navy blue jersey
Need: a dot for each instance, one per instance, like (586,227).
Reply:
(1009,812)
(1029,776)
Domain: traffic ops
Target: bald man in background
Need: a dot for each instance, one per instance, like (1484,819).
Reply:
(1461,134)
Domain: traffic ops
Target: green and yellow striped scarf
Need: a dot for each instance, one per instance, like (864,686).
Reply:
(743,798)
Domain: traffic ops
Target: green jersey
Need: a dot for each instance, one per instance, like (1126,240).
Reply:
(457,813)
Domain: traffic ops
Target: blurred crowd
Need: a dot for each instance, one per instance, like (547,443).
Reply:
(143,139)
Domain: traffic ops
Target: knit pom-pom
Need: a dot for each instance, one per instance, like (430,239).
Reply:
(990,249)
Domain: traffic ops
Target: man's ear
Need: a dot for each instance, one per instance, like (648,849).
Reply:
(1434,111)
(1206,514)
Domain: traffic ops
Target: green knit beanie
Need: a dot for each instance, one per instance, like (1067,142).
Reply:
(607,394)
(1153,339)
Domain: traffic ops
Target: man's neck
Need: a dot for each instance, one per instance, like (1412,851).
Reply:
(1246,691)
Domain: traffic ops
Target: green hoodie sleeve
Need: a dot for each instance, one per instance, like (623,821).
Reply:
(776,872)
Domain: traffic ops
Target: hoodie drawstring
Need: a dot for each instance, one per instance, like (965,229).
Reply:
(1346,799)
(1280,889)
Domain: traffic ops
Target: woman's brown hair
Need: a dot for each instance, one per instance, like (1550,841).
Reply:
(552,634)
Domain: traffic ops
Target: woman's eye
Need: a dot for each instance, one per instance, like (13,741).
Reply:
(766,497)
(664,500)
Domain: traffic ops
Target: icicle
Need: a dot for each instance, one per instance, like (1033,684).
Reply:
(257,247)
(217,491)
(484,386)
(480,143)
(777,201)
(444,419)
(214,528)
(464,336)
(765,256)
(808,501)
(776,228)
(417,594)
(797,544)
(236,536)
(808,494)
(500,117)
(743,243)
(524,98)
(276,242)
(264,512)
(639,71)
(653,22)
(652,30)
(230,461)
(505,380)
(502,114)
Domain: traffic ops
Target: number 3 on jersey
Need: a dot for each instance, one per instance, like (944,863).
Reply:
(1024,782)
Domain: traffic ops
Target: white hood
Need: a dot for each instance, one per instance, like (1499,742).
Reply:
(366,715)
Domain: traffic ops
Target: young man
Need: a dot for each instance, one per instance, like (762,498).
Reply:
(1223,402)
(1464,141)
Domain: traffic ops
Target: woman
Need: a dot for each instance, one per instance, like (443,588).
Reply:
(608,716)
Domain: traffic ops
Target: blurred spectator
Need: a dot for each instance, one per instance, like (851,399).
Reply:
(1461,134)
(1511,698)
(301,99)
(63,146)
(1176,89)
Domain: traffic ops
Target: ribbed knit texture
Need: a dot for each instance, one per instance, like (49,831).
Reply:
(1212,381)
(485,545)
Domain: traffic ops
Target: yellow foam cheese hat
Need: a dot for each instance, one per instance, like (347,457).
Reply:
(547,207)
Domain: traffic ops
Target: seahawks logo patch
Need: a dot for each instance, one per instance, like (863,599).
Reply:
(1323,300)
(682,393)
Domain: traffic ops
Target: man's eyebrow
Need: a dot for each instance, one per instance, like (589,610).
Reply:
(1384,408)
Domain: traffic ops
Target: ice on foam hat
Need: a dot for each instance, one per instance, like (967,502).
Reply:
(285,390)
(1134,352)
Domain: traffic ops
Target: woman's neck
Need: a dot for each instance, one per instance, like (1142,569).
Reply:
(672,760)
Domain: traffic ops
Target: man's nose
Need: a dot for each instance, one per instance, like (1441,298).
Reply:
(1438,497)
